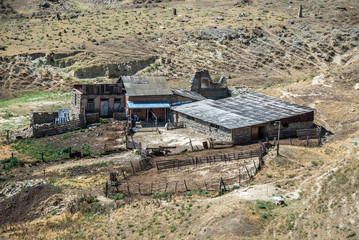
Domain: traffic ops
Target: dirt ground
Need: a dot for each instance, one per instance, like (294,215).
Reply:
(204,176)
(22,206)
(100,138)
(178,138)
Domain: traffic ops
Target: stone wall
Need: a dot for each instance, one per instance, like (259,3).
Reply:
(92,118)
(242,135)
(206,128)
(202,83)
(81,100)
(43,117)
(215,94)
(291,126)
(49,129)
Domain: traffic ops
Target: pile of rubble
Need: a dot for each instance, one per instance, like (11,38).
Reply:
(11,188)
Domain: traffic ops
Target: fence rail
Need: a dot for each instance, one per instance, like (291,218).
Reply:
(176,163)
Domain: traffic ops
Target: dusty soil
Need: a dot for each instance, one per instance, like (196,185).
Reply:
(101,138)
(204,176)
(22,206)
(178,138)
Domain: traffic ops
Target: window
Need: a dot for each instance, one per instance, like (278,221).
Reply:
(285,125)
(117,105)
(214,126)
(90,106)
(75,99)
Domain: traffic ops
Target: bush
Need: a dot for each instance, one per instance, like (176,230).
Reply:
(11,163)
(160,195)
(190,193)
(235,187)
(103,121)
(86,204)
(118,196)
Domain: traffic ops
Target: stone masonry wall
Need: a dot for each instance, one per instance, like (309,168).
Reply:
(43,117)
(242,135)
(291,126)
(205,128)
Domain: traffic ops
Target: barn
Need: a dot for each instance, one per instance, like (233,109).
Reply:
(245,118)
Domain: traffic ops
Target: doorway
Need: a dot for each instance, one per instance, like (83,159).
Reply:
(104,108)
(262,132)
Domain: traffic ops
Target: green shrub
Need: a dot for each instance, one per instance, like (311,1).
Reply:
(11,163)
(103,121)
(119,196)
(160,195)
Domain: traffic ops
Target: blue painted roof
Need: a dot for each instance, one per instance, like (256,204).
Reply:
(139,105)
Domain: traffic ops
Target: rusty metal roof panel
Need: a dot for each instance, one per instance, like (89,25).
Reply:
(242,111)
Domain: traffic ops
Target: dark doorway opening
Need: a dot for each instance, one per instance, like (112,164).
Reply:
(262,132)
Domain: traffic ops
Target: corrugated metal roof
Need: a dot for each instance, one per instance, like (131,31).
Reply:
(188,94)
(145,86)
(242,111)
(142,105)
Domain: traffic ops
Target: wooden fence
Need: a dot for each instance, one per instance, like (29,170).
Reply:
(149,188)
(284,133)
(176,163)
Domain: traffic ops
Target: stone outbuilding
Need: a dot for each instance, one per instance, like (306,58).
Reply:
(244,118)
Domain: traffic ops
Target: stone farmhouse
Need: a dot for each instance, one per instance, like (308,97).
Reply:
(146,97)
(244,118)
(98,100)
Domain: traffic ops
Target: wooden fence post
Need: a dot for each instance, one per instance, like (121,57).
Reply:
(239,177)
(224,185)
(128,188)
(190,143)
(255,167)
(290,141)
(319,137)
(307,141)
(133,169)
(184,181)
(106,189)
(139,188)
(176,188)
(247,172)
(300,12)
